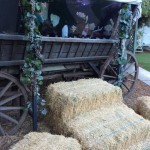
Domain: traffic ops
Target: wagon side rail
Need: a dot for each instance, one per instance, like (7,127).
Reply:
(55,49)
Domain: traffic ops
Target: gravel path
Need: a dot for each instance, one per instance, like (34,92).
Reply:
(5,142)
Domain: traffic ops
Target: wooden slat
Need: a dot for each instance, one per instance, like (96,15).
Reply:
(0,49)
(106,49)
(6,48)
(100,50)
(50,49)
(69,50)
(13,49)
(61,49)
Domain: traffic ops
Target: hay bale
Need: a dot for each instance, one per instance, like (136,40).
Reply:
(112,128)
(68,99)
(143,106)
(46,141)
(143,145)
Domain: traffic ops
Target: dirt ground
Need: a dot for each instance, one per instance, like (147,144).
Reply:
(5,142)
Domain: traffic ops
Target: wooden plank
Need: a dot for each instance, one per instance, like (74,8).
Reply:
(107,49)
(63,55)
(69,50)
(6,50)
(11,63)
(58,39)
(54,55)
(88,47)
(56,47)
(74,47)
(71,55)
(17,56)
(20,47)
(46,55)
(55,60)
(13,49)
(100,50)
(80,50)
(66,48)
(0,50)
(81,47)
(47,47)
(75,59)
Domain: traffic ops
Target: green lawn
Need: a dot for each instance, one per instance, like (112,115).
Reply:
(144,60)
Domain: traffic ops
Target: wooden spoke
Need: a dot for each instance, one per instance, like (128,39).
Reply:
(129,66)
(9,93)
(125,86)
(112,81)
(10,99)
(4,116)
(131,80)
(10,108)
(5,89)
(112,70)
(2,131)
(108,76)
(125,76)
(128,60)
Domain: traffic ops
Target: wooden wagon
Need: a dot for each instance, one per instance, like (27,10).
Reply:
(65,58)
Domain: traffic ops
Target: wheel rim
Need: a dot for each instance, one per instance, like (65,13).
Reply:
(129,72)
(13,98)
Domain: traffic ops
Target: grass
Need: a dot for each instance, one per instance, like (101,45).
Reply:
(144,60)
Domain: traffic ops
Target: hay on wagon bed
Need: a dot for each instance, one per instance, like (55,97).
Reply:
(143,106)
(46,141)
(69,99)
(112,128)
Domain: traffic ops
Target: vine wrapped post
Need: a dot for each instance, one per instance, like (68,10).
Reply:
(124,28)
(33,61)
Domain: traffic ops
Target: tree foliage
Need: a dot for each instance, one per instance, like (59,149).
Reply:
(146,8)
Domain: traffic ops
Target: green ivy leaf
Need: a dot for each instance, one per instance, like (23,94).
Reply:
(40,78)
(44,111)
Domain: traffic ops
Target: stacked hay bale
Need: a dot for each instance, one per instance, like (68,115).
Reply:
(143,145)
(112,128)
(69,99)
(143,106)
(46,141)
(92,111)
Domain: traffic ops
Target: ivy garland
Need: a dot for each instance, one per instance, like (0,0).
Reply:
(125,21)
(32,74)
(124,28)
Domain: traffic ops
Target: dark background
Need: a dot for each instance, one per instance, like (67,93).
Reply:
(8,15)
(99,12)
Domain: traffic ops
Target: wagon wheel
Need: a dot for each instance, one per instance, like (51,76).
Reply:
(109,72)
(13,97)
